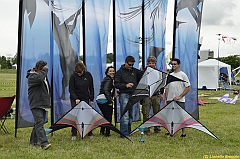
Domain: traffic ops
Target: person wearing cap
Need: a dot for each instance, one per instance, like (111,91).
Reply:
(153,101)
(39,101)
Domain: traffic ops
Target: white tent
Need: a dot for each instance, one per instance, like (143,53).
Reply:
(208,73)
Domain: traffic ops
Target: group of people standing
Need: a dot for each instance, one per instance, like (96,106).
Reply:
(81,88)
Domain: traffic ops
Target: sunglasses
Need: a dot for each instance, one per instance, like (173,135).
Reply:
(174,63)
(130,64)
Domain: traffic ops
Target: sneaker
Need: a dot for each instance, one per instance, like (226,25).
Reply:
(46,146)
(74,137)
(183,135)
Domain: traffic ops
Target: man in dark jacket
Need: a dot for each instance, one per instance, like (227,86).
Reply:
(126,80)
(39,101)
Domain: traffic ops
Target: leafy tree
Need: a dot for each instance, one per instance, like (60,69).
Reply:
(110,58)
(14,60)
(233,60)
(3,62)
(81,58)
(9,65)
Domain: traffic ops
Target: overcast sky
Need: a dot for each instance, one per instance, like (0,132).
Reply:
(219,17)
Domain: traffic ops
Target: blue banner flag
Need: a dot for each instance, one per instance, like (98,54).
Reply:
(127,37)
(187,27)
(65,51)
(154,29)
(35,47)
(96,40)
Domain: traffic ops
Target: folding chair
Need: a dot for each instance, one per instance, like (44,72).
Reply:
(5,105)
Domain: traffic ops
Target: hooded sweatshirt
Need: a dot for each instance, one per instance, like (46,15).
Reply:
(38,89)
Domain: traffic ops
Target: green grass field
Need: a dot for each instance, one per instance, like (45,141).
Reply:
(220,118)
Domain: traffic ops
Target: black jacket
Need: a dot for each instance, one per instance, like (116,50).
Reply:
(107,88)
(38,93)
(81,87)
(124,76)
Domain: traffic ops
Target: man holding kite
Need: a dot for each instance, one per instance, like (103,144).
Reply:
(177,90)
(153,101)
(126,80)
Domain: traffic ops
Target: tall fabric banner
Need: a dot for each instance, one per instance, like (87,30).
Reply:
(128,20)
(187,25)
(154,28)
(35,46)
(66,51)
(96,41)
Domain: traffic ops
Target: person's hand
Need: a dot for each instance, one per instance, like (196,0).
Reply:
(110,104)
(129,85)
(165,103)
(177,98)
(91,103)
(45,66)
(161,96)
(77,101)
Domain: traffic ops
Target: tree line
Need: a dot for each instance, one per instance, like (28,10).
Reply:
(7,63)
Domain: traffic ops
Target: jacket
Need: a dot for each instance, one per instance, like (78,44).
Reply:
(106,88)
(81,87)
(38,91)
(124,76)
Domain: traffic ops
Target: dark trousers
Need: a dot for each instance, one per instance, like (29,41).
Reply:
(38,133)
(107,114)
(74,130)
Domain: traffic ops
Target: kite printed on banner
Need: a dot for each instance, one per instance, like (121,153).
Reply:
(173,118)
(84,118)
(151,82)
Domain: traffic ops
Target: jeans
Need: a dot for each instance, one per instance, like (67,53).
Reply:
(38,133)
(127,118)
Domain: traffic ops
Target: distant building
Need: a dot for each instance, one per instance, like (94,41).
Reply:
(205,54)
(14,66)
(9,57)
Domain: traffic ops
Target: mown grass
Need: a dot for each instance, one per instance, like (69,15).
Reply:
(7,83)
(221,119)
